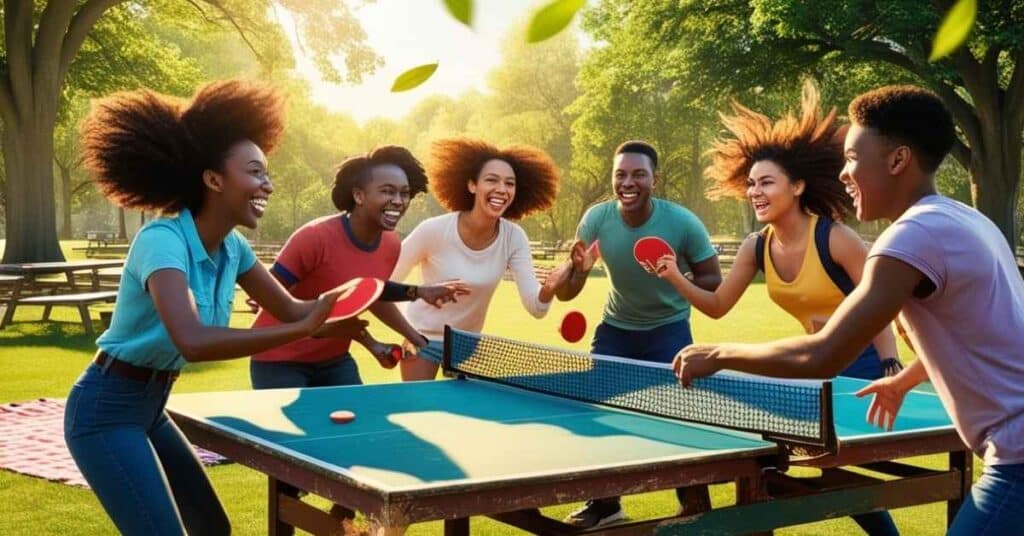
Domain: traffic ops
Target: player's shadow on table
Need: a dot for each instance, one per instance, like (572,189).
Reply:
(409,433)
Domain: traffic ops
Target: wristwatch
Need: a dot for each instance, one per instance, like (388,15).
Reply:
(412,292)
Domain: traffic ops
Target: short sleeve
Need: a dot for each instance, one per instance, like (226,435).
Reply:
(246,257)
(157,248)
(299,256)
(696,240)
(589,224)
(911,242)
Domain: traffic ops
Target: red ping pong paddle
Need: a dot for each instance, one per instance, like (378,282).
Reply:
(649,249)
(574,325)
(342,416)
(356,296)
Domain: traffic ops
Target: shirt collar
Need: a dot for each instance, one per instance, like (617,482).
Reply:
(195,244)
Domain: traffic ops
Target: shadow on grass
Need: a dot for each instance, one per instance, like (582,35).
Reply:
(68,335)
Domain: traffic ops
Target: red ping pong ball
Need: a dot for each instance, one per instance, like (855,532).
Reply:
(574,326)
(342,416)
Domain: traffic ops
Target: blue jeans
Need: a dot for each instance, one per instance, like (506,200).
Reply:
(286,374)
(996,504)
(143,471)
(659,344)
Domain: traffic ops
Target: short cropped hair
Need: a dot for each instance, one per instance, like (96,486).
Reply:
(911,116)
(641,147)
(355,171)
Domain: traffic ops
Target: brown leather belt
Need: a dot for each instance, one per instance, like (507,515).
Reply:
(133,372)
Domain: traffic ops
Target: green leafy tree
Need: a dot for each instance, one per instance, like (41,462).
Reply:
(43,42)
(529,94)
(732,43)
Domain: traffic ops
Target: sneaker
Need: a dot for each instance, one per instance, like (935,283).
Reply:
(596,513)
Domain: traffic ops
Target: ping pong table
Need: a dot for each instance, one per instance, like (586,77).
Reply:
(456,448)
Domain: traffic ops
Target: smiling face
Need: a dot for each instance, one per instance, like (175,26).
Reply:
(243,184)
(632,181)
(494,188)
(771,192)
(869,159)
(385,196)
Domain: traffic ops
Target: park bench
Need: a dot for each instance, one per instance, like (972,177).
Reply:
(23,286)
(80,300)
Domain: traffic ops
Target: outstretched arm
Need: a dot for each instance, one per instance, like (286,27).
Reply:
(581,261)
(849,251)
(716,301)
(887,284)
(199,342)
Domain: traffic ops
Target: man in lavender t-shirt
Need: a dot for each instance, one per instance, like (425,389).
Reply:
(949,274)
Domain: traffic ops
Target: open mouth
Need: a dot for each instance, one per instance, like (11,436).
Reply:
(628,197)
(497,203)
(760,205)
(391,216)
(259,205)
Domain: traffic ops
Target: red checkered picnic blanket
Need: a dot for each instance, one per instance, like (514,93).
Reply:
(32,442)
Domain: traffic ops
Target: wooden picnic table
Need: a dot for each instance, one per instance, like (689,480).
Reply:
(69,269)
(27,289)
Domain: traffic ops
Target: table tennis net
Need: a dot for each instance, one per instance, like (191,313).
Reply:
(794,411)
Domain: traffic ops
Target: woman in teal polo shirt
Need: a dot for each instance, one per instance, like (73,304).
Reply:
(205,161)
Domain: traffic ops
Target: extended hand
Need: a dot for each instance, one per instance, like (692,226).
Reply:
(350,328)
(582,258)
(666,268)
(695,361)
(555,279)
(321,309)
(444,292)
(889,395)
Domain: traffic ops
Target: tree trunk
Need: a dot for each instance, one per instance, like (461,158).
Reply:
(994,192)
(31,212)
(65,195)
(995,179)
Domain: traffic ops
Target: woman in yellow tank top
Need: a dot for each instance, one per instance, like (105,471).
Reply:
(789,172)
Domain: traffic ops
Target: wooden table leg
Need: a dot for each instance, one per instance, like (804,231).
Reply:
(456,527)
(962,461)
(275,526)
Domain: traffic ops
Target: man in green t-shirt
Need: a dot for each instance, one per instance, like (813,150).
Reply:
(644,318)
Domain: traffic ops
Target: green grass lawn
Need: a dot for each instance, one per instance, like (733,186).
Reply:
(43,359)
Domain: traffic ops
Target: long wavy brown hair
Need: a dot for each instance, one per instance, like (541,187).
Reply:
(809,148)
(146,150)
(455,162)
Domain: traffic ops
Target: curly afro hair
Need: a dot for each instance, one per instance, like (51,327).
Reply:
(355,171)
(148,151)
(457,161)
(908,115)
(808,148)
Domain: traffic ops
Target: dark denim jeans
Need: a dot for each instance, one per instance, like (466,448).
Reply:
(996,504)
(285,374)
(141,467)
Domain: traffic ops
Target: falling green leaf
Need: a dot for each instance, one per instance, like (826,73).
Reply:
(413,77)
(552,19)
(954,29)
(462,10)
